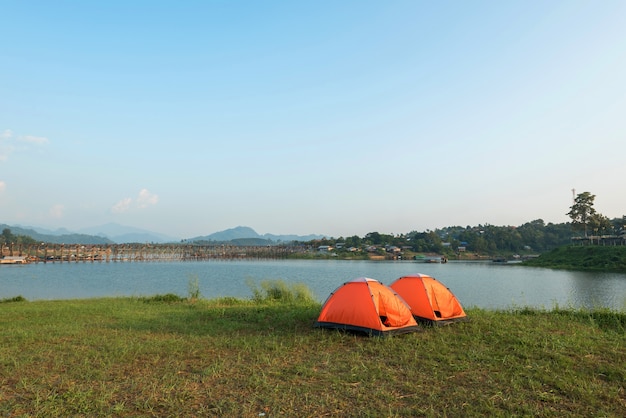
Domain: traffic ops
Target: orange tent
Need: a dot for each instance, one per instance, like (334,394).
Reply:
(429,299)
(368,306)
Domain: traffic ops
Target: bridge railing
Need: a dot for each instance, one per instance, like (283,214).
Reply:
(62,253)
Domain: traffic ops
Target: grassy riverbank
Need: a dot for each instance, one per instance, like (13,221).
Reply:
(164,356)
(584,258)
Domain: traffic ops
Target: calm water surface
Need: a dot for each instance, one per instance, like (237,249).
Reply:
(481,284)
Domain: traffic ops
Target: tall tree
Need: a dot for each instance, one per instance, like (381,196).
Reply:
(599,224)
(7,237)
(582,211)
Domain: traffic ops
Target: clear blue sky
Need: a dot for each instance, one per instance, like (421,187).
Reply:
(326,117)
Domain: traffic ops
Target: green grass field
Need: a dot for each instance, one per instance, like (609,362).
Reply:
(584,258)
(167,356)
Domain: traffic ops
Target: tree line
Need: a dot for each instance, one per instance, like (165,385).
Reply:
(532,237)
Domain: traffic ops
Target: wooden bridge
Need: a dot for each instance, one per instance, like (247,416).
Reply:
(62,253)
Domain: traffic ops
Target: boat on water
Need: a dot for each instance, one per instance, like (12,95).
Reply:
(13,259)
(431,259)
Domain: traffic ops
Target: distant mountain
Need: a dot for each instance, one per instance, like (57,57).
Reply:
(241,233)
(113,233)
(104,234)
(56,232)
(57,237)
(122,234)
(230,234)
(291,238)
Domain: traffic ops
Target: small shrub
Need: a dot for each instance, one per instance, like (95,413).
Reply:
(167,298)
(526,310)
(227,301)
(19,298)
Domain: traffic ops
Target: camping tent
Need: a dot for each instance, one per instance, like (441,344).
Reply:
(429,299)
(366,305)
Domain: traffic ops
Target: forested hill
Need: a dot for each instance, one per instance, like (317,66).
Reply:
(531,237)
(56,239)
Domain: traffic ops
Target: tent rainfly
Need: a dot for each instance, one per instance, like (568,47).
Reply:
(366,305)
(430,300)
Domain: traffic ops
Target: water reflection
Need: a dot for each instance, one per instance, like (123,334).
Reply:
(598,289)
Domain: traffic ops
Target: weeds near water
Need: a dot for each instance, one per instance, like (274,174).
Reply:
(604,319)
(277,291)
(193,288)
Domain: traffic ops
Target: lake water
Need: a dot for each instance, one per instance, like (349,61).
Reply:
(482,284)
